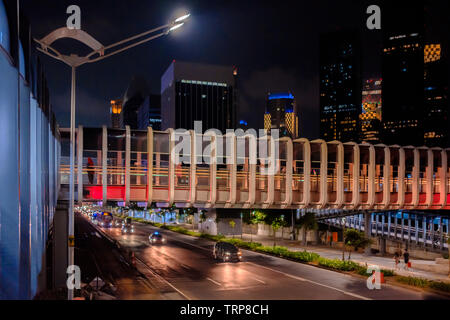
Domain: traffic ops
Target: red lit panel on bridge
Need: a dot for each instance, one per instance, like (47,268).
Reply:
(113,192)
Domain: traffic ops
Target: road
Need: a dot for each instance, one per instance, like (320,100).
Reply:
(98,257)
(186,264)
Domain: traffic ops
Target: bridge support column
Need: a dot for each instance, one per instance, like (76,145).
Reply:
(382,245)
(416,226)
(389,225)
(424,231)
(409,228)
(368,229)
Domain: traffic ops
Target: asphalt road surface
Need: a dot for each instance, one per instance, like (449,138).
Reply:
(187,265)
(98,257)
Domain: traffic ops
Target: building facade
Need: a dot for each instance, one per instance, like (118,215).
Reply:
(149,114)
(403,75)
(115,111)
(370,117)
(436,122)
(340,86)
(198,92)
(281,114)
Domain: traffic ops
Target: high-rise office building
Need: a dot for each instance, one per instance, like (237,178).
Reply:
(436,132)
(134,98)
(198,92)
(340,85)
(115,111)
(403,74)
(281,114)
(149,114)
(370,117)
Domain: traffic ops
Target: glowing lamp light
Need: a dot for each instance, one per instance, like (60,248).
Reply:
(182,18)
(176,27)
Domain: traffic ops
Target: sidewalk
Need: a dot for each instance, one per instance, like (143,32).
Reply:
(332,253)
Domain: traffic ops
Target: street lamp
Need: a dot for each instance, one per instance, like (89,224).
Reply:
(74,61)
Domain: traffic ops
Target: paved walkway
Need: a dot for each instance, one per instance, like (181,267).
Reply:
(420,268)
(333,253)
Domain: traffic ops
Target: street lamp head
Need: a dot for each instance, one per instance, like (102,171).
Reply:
(175,27)
(182,18)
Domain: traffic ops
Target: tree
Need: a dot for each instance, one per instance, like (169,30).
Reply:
(308,222)
(190,213)
(232,224)
(252,218)
(277,223)
(356,240)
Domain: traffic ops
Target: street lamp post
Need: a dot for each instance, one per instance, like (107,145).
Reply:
(74,61)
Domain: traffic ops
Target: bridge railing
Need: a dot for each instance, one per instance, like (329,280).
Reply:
(126,165)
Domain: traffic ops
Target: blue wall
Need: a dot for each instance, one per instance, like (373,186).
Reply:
(28,183)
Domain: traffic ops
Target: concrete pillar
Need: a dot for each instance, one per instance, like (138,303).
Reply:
(396,226)
(382,246)
(367,229)
(432,231)
(382,224)
(416,225)
(441,234)
(409,228)
(402,227)
(389,225)
(424,231)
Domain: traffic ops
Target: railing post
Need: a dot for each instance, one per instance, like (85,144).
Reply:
(193,169)
(149,166)
(127,164)
(80,164)
(105,165)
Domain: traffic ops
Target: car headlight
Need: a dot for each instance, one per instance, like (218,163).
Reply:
(227,253)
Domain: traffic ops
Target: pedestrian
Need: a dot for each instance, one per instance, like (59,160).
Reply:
(396,259)
(406,259)
(90,169)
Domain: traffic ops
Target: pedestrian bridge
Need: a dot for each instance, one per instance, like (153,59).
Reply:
(128,165)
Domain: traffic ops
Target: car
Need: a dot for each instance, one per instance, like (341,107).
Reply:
(226,252)
(156,238)
(117,223)
(127,228)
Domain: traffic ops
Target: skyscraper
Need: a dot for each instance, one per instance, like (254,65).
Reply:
(134,98)
(115,111)
(149,114)
(340,85)
(370,117)
(281,114)
(403,74)
(198,92)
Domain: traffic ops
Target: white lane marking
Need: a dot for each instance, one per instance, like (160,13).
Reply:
(259,280)
(289,275)
(163,279)
(215,282)
(313,282)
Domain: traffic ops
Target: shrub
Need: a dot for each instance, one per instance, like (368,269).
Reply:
(412,281)
(337,264)
(441,286)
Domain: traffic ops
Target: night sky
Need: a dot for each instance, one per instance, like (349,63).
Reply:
(274,43)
